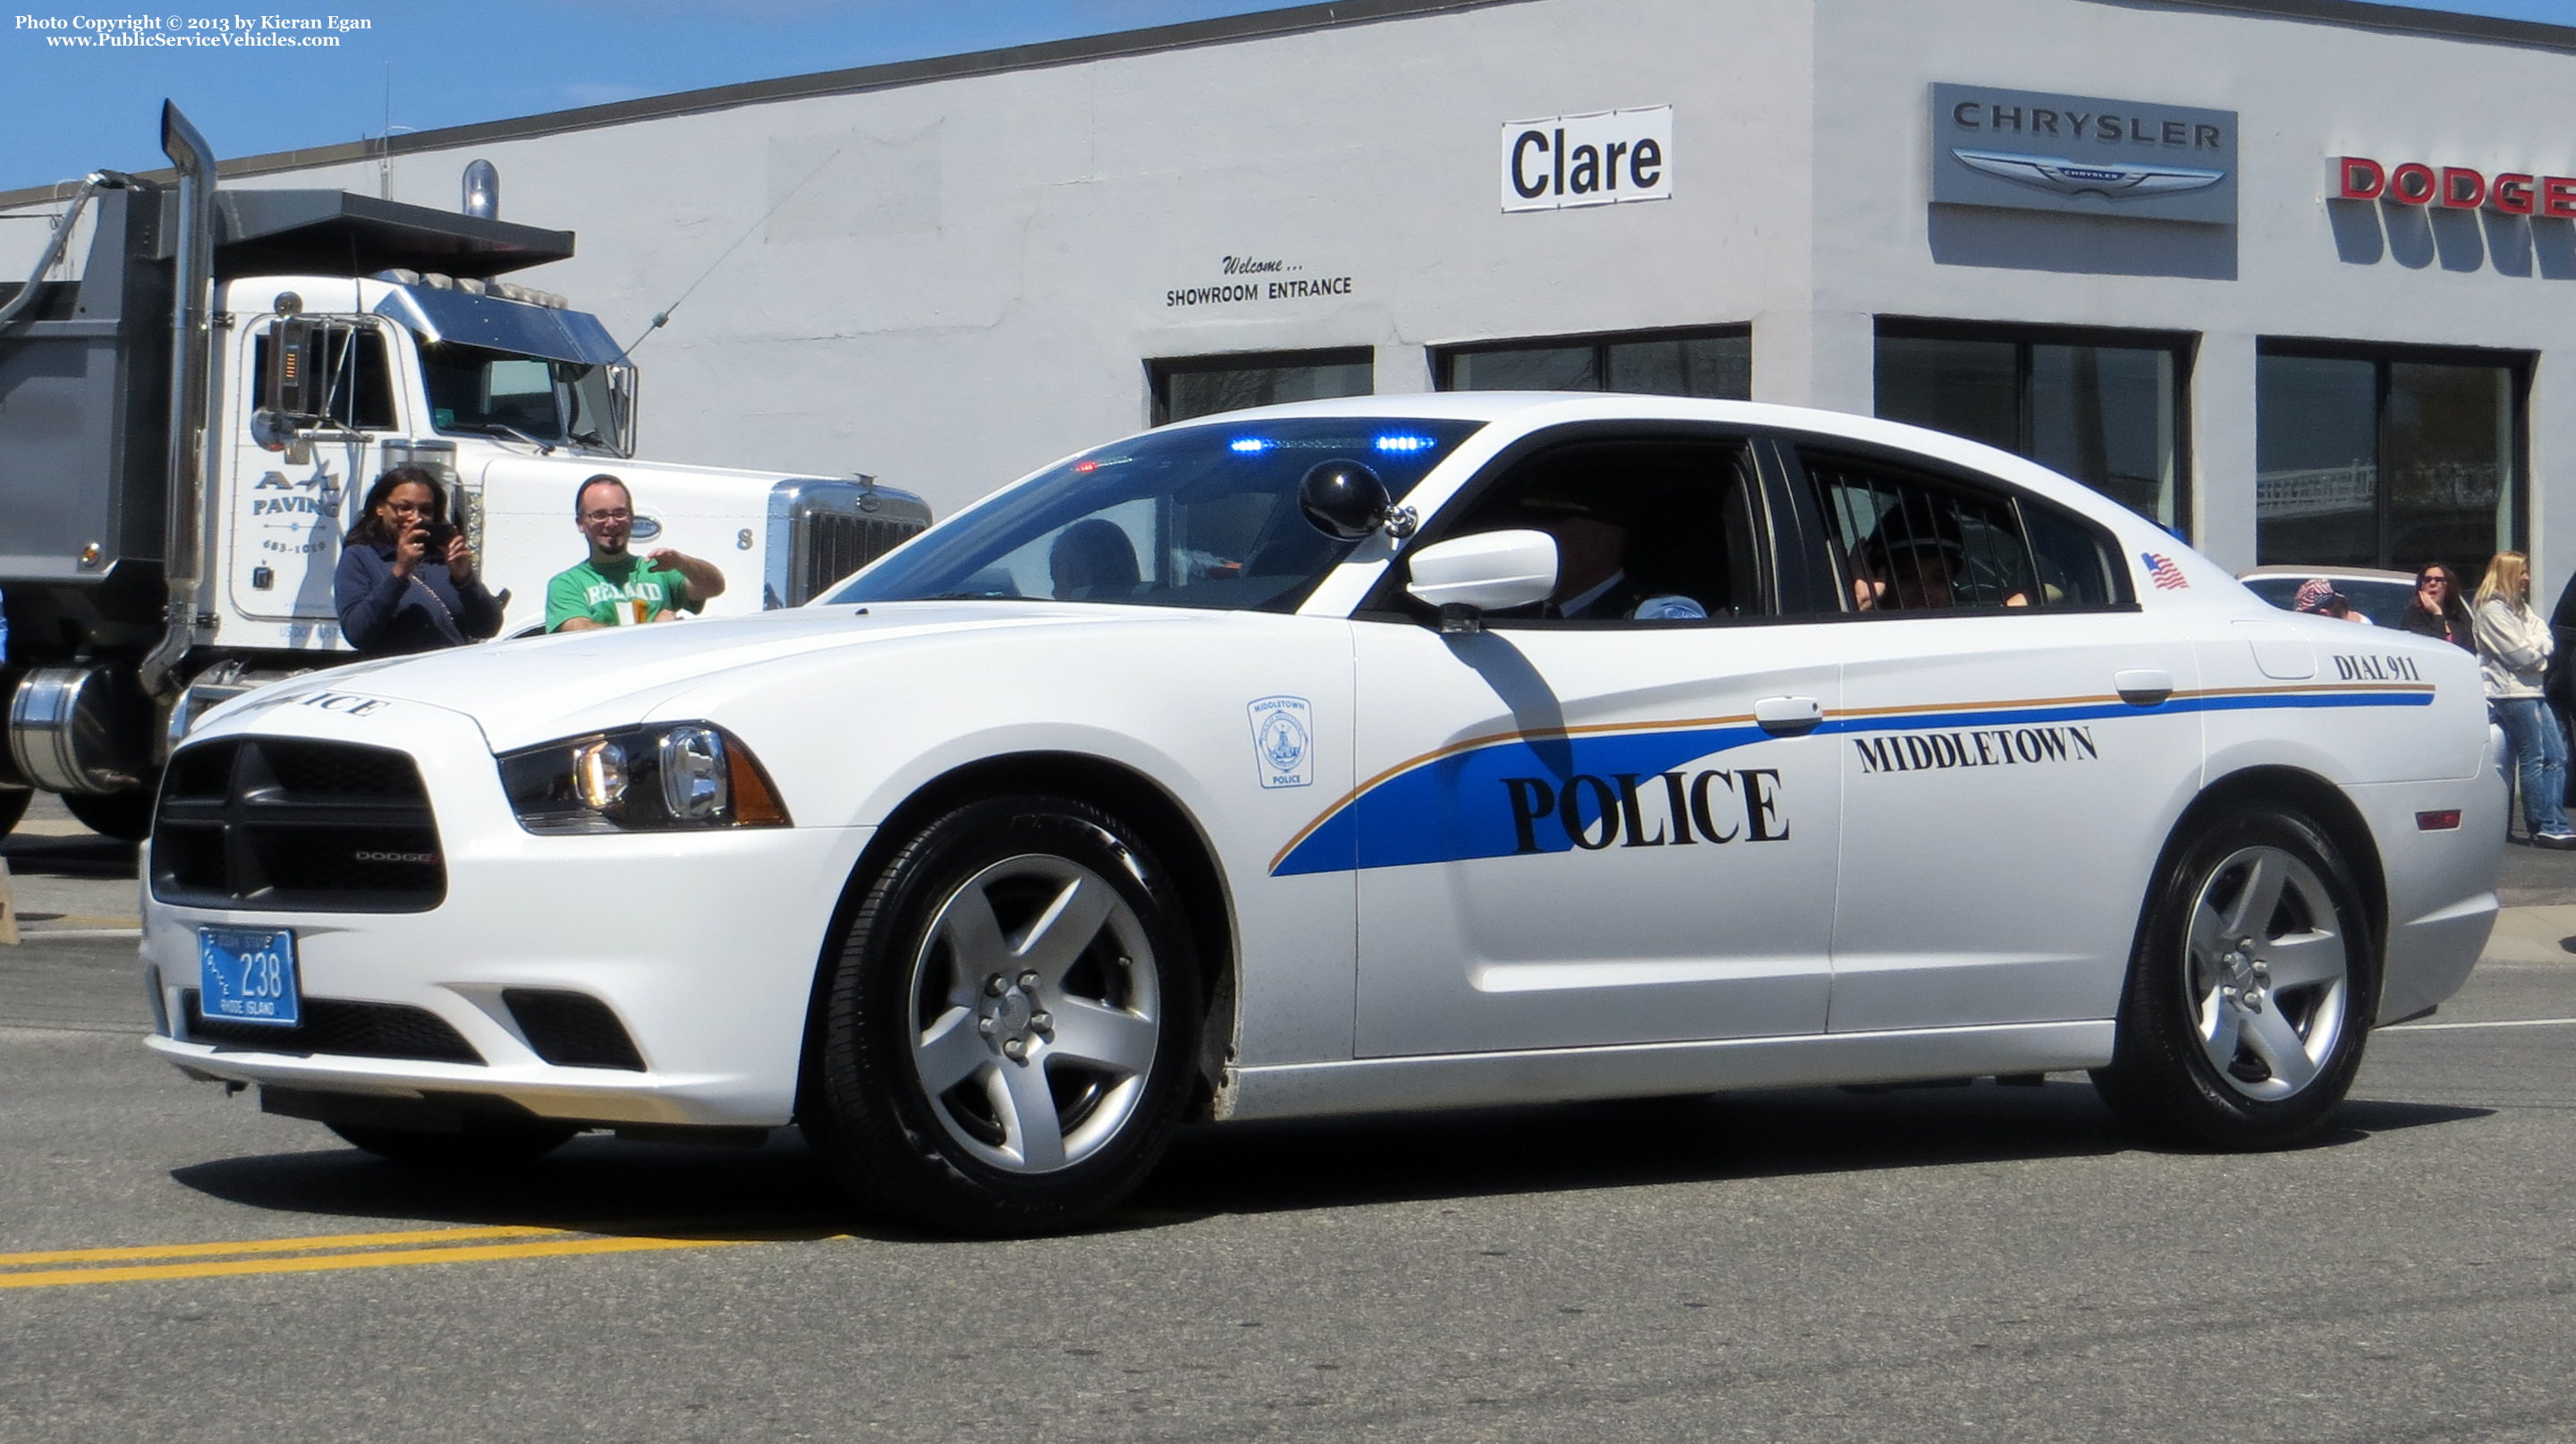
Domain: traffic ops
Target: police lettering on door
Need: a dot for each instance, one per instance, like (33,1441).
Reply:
(1671,808)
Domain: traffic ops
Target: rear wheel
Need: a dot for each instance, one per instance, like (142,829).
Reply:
(13,805)
(1007,1030)
(479,1143)
(125,816)
(2251,990)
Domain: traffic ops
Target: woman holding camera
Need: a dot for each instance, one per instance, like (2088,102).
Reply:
(406,581)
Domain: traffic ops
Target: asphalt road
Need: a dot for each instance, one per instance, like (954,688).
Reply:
(1981,1263)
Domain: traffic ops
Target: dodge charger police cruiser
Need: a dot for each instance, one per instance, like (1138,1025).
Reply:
(1399,752)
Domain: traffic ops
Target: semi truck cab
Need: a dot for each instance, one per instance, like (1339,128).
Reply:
(188,430)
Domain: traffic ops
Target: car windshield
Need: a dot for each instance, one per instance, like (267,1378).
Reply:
(1203,516)
(496,393)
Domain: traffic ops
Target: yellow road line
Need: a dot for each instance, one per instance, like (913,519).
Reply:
(314,1263)
(273,1245)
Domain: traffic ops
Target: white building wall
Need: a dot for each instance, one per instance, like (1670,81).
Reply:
(962,280)
(948,283)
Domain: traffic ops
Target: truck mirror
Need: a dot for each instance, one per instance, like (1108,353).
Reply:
(297,374)
(622,383)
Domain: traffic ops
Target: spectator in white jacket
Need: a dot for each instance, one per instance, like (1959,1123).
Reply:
(2514,644)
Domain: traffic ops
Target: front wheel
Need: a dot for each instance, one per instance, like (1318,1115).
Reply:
(2251,989)
(1007,1028)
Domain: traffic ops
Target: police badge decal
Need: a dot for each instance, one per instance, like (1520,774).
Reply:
(1283,741)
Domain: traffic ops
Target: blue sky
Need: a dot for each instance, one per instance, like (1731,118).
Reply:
(65,110)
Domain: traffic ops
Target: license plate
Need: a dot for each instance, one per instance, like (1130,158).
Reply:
(248,977)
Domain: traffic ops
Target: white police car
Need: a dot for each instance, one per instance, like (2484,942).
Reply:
(1401,752)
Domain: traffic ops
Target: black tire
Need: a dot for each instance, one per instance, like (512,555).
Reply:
(13,805)
(2248,1035)
(125,816)
(1020,1142)
(480,1144)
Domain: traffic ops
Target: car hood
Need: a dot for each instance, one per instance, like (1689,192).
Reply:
(539,688)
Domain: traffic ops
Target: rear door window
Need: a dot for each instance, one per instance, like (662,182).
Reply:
(1909,540)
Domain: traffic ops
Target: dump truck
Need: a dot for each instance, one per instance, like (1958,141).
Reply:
(188,428)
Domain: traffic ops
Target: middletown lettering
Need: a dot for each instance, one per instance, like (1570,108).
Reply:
(1977,747)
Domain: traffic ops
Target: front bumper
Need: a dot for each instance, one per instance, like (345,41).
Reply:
(703,945)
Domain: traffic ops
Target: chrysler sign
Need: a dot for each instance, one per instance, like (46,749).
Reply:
(2031,150)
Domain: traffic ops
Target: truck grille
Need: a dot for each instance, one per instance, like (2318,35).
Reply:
(298,826)
(831,546)
(821,531)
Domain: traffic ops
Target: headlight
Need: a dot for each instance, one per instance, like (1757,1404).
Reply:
(641,779)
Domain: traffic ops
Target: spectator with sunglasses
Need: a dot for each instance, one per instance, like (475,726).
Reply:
(2439,610)
(406,579)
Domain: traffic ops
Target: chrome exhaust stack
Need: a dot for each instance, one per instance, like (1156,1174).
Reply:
(192,441)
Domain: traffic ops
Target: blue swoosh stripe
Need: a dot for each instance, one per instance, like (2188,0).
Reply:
(1419,815)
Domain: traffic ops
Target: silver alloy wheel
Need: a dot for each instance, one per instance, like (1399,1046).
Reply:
(1035,1014)
(2269,971)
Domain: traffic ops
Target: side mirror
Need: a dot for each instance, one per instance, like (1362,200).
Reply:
(1343,499)
(623,385)
(295,374)
(1469,575)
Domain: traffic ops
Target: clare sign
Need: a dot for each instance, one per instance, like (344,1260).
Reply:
(2080,154)
(1601,159)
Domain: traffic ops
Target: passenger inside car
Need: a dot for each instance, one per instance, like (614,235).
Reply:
(1645,531)
(1917,554)
(1092,560)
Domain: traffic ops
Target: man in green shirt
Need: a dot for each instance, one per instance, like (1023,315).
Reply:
(615,587)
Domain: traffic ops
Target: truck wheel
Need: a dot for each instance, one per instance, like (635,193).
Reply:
(2250,992)
(478,1145)
(13,805)
(125,816)
(1007,1026)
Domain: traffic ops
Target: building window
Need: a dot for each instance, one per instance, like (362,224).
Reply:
(1712,363)
(2104,407)
(2386,458)
(1187,386)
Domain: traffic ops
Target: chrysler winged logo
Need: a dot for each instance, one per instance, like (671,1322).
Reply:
(2112,180)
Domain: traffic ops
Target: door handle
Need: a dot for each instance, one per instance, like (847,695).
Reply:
(2144,686)
(1788,716)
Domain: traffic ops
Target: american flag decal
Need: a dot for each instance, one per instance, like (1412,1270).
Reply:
(2164,573)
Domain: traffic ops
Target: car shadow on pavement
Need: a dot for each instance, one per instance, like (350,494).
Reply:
(1252,1168)
(595,1184)
(1626,1143)
(599,1184)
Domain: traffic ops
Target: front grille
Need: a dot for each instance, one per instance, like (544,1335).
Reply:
(572,1030)
(294,825)
(337,1025)
(831,545)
